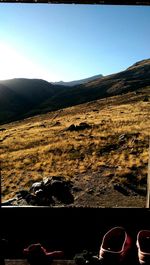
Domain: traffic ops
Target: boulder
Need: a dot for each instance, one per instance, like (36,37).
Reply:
(36,186)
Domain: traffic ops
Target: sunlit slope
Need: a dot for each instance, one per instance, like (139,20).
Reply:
(133,78)
(32,96)
(114,147)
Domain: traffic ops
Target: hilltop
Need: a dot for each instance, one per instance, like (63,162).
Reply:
(23,98)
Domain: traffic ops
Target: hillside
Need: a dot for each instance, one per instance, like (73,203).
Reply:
(19,96)
(131,79)
(116,84)
(30,97)
(101,146)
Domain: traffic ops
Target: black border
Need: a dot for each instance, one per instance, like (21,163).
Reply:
(69,229)
(89,2)
(72,228)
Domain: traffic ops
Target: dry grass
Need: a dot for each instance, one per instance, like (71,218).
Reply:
(41,146)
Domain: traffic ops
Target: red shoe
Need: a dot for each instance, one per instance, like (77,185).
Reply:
(115,246)
(143,245)
(35,249)
(37,255)
(55,254)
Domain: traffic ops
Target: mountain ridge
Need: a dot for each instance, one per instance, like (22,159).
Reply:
(28,97)
(77,82)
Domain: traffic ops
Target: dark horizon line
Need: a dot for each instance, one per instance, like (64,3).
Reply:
(90,2)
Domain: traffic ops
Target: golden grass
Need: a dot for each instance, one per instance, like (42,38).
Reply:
(40,146)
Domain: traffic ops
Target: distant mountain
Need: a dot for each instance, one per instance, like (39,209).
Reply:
(78,82)
(21,98)
(131,79)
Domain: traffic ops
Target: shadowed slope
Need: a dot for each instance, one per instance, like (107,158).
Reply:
(35,96)
(129,80)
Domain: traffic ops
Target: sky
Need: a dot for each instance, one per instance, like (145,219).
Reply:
(65,42)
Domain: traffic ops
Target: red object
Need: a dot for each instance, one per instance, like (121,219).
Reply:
(37,254)
(55,254)
(115,245)
(143,245)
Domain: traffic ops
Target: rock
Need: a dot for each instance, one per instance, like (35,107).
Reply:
(39,193)
(43,193)
(62,192)
(22,194)
(43,199)
(57,186)
(21,202)
(26,196)
(36,186)
(71,128)
(46,181)
(81,126)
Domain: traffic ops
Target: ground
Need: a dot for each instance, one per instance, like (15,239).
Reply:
(111,152)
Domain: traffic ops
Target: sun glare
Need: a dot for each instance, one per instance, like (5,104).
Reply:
(13,64)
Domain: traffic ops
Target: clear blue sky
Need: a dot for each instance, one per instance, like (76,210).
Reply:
(70,42)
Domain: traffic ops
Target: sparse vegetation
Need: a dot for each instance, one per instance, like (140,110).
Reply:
(115,143)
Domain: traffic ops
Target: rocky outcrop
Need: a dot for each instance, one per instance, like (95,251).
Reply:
(51,191)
